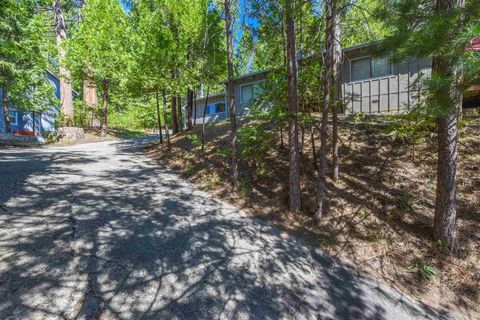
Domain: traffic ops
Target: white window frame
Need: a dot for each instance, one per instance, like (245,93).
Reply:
(16,117)
(248,84)
(390,73)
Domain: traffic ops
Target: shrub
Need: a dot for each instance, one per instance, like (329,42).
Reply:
(424,269)
(255,142)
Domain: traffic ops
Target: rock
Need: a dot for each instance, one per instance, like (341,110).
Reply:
(18,140)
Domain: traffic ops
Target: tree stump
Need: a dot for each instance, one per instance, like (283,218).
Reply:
(71,134)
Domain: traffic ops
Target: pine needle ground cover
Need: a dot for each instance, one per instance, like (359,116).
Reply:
(381,210)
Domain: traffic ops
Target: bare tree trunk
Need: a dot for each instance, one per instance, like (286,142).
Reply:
(33,122)
(158,117)
(165,120)
(174,114)
(450,102)
(180,113)
(314,151)
(337,63)
(106,88)
(282,145)
(90,96)
(294,157)
(194,108)
(231,92)
(66,98)
(6,111)
(203,119)
(189,110)
(302,148)
(327,86)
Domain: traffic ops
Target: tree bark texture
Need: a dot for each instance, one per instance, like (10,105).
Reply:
(189,111)
(445,203)
(294,157)
(174,114)
(180,113)
(90,97)
(165,120)
(106,88)
(337,64)
(6,111)
(231,92)
(203,119)
(66,97)
(158,117)
(327,87)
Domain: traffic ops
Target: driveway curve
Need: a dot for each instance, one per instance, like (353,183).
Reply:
(99,231)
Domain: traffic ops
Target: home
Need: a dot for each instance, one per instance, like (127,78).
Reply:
(24,121)
(370,84)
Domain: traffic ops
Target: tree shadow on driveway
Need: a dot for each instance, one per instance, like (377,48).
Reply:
(100,232)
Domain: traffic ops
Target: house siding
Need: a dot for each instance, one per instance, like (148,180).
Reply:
(241,107)
(395,92)
(45,120)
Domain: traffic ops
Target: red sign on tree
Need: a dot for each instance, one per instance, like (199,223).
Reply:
(474,44)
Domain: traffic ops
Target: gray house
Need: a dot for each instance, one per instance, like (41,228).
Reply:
(246,89)
(369,84)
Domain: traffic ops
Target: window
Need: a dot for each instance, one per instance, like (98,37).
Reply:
(360,69)
(220,107)
(249,92)
(215,108)
(381,67)
(365,68)
(13,115)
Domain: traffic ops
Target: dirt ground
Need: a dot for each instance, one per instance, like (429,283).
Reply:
(380,211)
(93,134)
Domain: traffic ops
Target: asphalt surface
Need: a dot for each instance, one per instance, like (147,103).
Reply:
(99,231)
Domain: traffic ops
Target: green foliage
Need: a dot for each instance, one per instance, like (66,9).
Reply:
(424,269)
(245,185)
(196,142)
(103,41)
(223,152)
(25,48)
(411,127)
(255,142)
(442,246)
(133,113)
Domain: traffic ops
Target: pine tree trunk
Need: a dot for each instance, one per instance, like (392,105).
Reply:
(90,96)
(158,117)
(337,63)
(180,114)
(174,115)
(203,119)
(294,157)
(106,88)
(189,110)
(66,98)
(6,111)
(167,132)
(327,86)
(231,92)
(194,108)
(445,203)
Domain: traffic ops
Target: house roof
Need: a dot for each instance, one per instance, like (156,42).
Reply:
(362,46)
(248,75)
(265,71)
(213,95)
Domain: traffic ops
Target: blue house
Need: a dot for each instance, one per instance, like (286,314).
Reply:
(25,120)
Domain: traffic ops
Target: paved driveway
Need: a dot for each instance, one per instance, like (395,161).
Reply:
(98,231)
